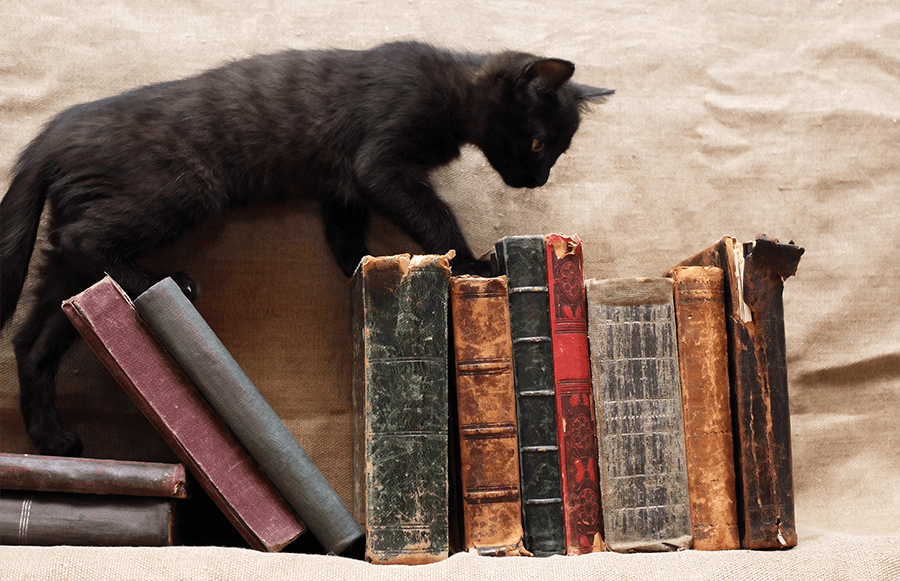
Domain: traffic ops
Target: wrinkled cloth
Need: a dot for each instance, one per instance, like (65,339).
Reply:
(729,118)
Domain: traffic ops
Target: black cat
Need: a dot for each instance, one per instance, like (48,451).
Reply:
(358,130)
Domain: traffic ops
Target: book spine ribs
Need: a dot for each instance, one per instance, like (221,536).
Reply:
(639,426)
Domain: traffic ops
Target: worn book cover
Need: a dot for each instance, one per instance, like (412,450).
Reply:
(754,275)
(58,518)
(523,260)
(640,426)
(709,444)
(105,317)
(486,410)
(39,473)
(400,407)
(206,361)
(574,401)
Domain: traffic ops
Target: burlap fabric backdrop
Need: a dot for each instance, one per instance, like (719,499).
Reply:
(729,118)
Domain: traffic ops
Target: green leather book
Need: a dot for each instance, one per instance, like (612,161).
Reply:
(400,407)
(205,360)
(523,260)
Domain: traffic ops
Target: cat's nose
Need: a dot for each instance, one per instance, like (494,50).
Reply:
(540,180)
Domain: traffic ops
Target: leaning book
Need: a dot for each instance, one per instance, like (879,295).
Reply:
(105,317)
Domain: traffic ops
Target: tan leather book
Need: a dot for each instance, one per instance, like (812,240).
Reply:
(754,275)
(709,444)
(486,404)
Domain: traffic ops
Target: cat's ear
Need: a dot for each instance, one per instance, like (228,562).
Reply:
(554,71)
(588,94)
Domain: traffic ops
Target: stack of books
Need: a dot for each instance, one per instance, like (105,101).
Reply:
(78,501)
(539,413)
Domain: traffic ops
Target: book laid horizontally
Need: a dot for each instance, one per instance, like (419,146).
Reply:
(91,476)
(401,407)
(486,408)
(106,318)
(754,275)
(181,328)
(640,427)
(50,500)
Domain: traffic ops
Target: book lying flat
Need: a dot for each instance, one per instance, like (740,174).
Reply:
(91,476)
(105,317)
(58,518)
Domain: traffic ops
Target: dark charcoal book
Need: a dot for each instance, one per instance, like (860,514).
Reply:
(58,518)
(523,260)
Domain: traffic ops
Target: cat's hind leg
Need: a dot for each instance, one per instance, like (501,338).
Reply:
(40,343)
(107,247)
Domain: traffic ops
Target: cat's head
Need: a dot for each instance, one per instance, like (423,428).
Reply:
(529,110)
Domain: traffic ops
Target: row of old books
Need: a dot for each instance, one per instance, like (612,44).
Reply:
(167,358)
(537,413)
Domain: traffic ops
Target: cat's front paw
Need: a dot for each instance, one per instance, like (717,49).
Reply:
(189,286)
(474,266)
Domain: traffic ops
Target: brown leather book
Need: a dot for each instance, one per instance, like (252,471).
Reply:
(709,445)
(91,476)
(754,275)
(106,318)
(486,404)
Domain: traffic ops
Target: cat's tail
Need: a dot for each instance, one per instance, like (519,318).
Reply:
(20,217)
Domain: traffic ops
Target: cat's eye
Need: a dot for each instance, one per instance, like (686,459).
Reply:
(537,145)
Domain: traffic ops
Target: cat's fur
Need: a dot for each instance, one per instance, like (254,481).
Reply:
(358,130)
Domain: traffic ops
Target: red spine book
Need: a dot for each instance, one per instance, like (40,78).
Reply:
(105,317)
(574,406)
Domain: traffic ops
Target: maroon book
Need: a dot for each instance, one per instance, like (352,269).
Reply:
(105,317)
(574,401)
